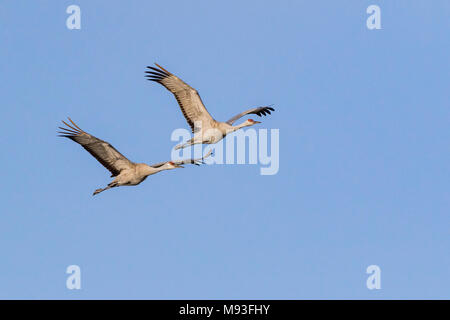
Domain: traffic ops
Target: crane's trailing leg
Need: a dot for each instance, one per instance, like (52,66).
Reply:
(184,145)
(111,185)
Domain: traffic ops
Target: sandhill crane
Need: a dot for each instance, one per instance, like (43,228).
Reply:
(205,128)
(126,173)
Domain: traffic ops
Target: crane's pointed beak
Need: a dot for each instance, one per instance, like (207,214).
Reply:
(255,122)
(178,166)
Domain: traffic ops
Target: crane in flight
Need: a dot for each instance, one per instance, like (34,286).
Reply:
(124,171)
(204,127)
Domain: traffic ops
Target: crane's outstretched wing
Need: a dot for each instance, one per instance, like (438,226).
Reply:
(197,161)
(101,150)
(187,97)
(258,111)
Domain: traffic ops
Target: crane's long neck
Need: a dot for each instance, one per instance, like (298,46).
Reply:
(149,170)
(242,125)
(228,128)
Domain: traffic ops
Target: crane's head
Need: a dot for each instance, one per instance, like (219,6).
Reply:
(172,165)
(251,122)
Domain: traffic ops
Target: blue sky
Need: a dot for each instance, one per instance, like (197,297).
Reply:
(364,150)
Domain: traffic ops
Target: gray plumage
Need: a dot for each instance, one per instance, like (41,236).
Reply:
(195,112)
(124,171)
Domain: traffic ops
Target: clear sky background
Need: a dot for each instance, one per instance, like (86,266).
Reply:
(364,118)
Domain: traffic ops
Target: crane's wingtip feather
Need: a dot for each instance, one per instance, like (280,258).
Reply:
(162,69)
(70,126)
(75,124)
(68,130)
